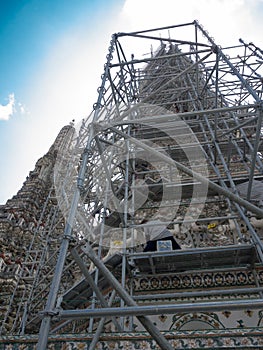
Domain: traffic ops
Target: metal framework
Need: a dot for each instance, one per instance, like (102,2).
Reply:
(175,133)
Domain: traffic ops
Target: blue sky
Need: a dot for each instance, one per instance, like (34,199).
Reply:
(29,30)
(36,39)
(52,54)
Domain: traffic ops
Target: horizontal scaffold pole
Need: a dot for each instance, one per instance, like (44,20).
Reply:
(163,309)
(201,112)
(155,29)
(150,59)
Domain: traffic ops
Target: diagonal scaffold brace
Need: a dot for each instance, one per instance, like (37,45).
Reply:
(147,324)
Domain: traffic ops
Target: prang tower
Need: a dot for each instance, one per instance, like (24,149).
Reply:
(175,136)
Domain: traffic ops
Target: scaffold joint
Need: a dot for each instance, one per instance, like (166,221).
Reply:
(48,313)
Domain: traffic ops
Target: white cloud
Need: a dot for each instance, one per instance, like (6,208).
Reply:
(7,110)
(21,108)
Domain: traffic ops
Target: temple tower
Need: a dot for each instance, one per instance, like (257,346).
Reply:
(173,146)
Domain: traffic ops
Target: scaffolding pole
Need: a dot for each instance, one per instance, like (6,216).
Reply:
(147,324)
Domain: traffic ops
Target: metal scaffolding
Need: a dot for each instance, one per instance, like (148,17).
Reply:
(176,136)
